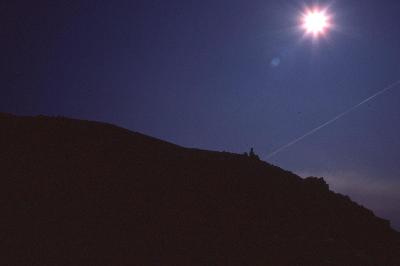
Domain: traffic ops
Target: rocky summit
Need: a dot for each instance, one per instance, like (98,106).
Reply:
(77,192)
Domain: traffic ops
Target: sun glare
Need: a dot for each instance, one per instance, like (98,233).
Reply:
(315,22)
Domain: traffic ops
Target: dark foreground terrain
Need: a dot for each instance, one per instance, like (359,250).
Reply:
(86,193)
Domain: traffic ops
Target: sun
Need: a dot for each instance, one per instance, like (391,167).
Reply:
(315,22)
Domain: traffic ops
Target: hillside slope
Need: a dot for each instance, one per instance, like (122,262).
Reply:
(86,193)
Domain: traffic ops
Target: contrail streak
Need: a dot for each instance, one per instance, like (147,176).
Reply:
(284,147)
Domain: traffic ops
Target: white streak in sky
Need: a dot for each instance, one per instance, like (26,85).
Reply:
(284,147)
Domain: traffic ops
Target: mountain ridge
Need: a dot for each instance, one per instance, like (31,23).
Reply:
(83,192)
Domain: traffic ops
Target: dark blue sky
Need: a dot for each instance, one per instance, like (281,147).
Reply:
(220,75)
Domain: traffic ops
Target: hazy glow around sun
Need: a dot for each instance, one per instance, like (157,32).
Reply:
(315,22)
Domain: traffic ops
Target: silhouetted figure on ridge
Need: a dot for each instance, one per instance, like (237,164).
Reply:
(252,155)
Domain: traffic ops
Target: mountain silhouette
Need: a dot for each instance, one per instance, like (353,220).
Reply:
(76,192)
